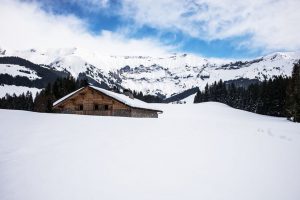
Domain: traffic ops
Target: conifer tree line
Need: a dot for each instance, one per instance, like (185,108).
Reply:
(62,86)
(279,96)
(147,98)
(14,102)
(43,100)
(54,91)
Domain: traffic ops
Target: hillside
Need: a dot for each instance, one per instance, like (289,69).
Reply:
(180,155)
(164,76)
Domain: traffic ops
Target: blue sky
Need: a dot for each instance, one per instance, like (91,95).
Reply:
(211,28)
(99,19)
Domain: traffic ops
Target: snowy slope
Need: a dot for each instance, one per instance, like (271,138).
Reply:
(18,90)
(17,70)
(202,151)
(165,75)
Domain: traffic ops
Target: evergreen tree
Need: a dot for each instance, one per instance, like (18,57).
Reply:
(21,102)
(268,97)
(293,94)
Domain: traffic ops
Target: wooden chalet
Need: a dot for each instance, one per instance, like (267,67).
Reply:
(91,100)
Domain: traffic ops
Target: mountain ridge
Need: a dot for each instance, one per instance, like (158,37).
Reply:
(165,76)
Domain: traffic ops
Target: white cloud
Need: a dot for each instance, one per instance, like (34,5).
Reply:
(25,25)
(272,24)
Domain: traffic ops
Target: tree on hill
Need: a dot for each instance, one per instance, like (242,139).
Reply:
(266,98)
(293,95)
(61,87)
(21,102)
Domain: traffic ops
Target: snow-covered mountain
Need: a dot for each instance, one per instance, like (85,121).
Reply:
(166,75)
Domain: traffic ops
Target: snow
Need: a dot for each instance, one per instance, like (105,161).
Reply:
(136,103)
(17,70)
(67,96)
(18,90)
(196,151)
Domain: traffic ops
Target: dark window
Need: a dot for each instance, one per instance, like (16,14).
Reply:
(80,107)
(106,107)
(96,107)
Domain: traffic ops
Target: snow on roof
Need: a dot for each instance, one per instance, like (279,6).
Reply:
(65,97)
(135,103)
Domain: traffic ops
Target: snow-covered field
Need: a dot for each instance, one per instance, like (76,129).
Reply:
(206,151)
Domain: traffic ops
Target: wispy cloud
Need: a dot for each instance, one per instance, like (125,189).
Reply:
(25,25)
(270,24)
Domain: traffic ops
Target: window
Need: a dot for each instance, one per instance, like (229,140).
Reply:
(105,107)
(81,107)
(96,107)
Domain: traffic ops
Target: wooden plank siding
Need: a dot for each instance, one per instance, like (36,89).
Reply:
(88,98)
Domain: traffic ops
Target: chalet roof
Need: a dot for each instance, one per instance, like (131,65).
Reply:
(67,96)
(135,103)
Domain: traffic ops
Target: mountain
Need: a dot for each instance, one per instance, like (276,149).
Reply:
(164,76)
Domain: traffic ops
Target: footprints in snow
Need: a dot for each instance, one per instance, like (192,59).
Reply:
(271,134)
